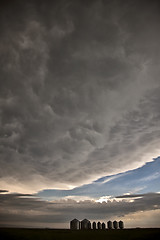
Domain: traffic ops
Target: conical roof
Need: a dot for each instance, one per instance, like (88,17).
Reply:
(85,220)
(75,220)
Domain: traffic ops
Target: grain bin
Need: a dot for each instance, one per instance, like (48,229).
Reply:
(103,226)
(115,224)
(121,225)
(109,225)
(94,225)
(85,224)
(75,224)
(99,225)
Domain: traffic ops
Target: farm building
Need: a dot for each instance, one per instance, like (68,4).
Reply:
(75,224)
(85,224)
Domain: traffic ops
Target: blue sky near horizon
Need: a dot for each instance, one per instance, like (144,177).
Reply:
(138,181)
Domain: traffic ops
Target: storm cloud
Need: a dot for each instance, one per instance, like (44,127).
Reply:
(79,91)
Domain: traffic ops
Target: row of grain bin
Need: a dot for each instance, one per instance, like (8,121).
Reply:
(115,225)
(98,225)
(110,225)
(75,224)
(85,224)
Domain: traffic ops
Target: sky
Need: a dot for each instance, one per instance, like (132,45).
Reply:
(79,112)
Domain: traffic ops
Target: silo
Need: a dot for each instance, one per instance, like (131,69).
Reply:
(115,224)
(89,225)
(75,224)
(94,225)
(121,225)
(103,226)
(99,225)
(85,224)
(109,224)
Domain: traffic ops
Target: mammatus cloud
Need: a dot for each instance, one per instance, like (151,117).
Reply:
(26,210)
(79,94)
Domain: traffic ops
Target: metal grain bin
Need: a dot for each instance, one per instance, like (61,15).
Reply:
(109,225)
(85,224)
(99,225)
(103,226)
(94,225)
(121,225)
(75,224)
(115,224)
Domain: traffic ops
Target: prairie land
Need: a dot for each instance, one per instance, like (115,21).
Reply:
(64,234)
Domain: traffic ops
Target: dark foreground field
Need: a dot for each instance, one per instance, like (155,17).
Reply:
(55,234)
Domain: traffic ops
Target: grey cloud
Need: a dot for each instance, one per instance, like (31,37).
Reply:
(79,89)
(132,136)
(26,210)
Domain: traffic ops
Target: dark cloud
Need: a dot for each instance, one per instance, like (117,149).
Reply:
(3,191)
(79,94)
(137,195)
(26,211)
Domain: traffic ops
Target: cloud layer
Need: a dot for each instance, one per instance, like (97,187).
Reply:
(138,181)
(80,91)
(25,210)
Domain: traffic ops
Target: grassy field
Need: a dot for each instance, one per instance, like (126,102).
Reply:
(55,234)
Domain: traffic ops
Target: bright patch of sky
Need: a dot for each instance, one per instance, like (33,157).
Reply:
(141,180)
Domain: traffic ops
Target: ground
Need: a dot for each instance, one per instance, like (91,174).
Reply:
(62,234)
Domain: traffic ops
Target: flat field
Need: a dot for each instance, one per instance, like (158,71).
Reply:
(62,234)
